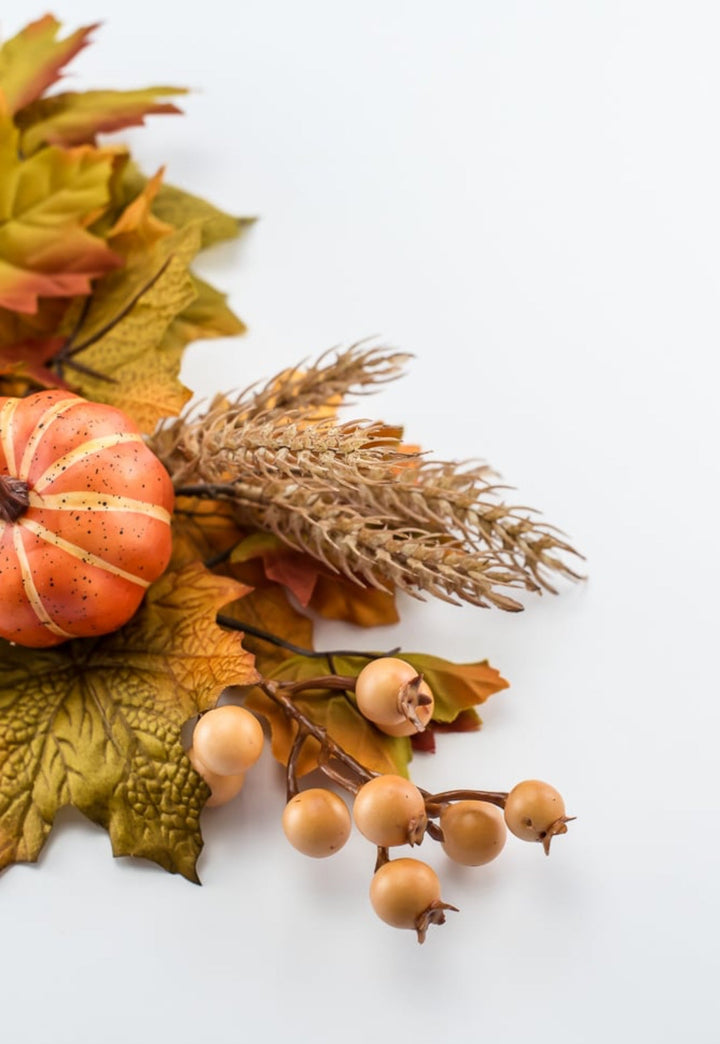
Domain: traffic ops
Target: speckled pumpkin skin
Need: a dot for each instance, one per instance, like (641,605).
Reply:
(97,532)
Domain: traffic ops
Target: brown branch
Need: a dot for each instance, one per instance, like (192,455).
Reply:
(282,643)
(329,749)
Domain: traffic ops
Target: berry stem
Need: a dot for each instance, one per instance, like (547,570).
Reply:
(292,780)
(434,802)
(383,857)
(330,750)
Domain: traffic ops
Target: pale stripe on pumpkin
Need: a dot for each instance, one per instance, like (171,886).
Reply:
(31,591)
(78,552)
(97,502)
(86,449)
(6,434)
(44,422)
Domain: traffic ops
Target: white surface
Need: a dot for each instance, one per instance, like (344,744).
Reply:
(525,195)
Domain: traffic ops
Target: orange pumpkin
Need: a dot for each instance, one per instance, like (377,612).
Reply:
(84,518)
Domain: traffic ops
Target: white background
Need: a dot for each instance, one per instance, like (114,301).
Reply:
(526,196)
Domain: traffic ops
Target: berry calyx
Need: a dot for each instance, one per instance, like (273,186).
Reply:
(405,893)
(390,810)
(391,694)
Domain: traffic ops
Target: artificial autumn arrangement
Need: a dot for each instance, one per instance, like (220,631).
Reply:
(152,558)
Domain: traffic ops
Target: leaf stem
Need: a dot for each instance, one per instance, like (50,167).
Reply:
(72,349)
(292,780)
(87,370)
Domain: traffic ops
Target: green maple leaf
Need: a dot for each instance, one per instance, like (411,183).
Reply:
(457,687)
(207,315)
(96,724)
(179,208)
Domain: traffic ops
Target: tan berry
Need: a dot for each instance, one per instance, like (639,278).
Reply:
(317,822)
(474,832)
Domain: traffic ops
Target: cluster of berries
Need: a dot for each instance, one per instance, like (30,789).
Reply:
(388,810)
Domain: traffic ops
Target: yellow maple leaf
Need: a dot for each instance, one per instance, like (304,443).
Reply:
(116,352)
(96,723)
(207,315)
(31,61)
(76,118)
(47,203)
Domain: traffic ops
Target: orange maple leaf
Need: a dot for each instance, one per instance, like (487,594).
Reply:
(28,359)
(138,228)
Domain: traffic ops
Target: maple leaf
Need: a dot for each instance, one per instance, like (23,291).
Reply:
(137,228)
(26,360)
(77,117)
(180,208)
(45,322)
(207,530)
(466,721)
(46,203)
(332,596)
(337,598)
(202,529)
(269,609)
(207,315)
(95,723)
(117,348)
(31,61)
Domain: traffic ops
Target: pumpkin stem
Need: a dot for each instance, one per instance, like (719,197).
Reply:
(14,498)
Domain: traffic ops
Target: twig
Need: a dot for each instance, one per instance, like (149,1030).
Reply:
(329,748)
(331,751)
(274,639)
